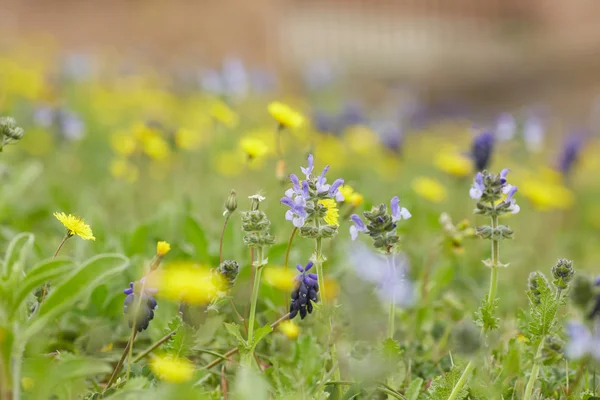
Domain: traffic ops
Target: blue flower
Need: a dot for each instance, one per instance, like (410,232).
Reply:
(510,191)
(148,304)
(305,293)
(311,165)
(297,212)
(477,189)
(359,226)
(570,152)
(334,190)
(321,184)
(506,127)
(582,342)
(481,150)
(397,212)
(533,133)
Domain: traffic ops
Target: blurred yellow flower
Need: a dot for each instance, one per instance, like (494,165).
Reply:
(172,369)
(361,139)
(188,139)
(330,151)
(522,338)
(332,213)
(186,282)
(121,168)
(75,226)
(19,80)
(546,195)
(280,278)
(331,289)
(289,329)
(350,196)
(222,113)
(162,248)
(123,143)
(106,348)
(229,163)
(27,383)
(285,115)
(253,148)
(156,148)
(453,163)
(429,189)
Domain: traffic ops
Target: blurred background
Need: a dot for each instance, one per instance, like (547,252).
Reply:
(490,53)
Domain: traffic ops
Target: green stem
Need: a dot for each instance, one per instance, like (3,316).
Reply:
(392,313)
(222,235)
(17,362)
(461,382)
(154,346)
(247,359)
(495,265)
(534,372)
(115,373)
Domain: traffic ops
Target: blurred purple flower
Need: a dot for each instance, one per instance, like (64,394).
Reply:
(481,150)
(582,342)
(506,127)
(148,304)
(533,133)
(569,154)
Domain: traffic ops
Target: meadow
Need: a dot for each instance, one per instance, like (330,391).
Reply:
(210,234)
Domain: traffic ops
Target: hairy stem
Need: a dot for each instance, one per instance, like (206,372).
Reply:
(253,301)
(534,372)
(222,235)
(289,246)
(461,382)
(392,312)
(45,287)
(115,373)
(155,346)
(494,266)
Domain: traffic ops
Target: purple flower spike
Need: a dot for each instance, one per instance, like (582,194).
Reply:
(511,193)
(313,276)
(359,226)
(503,174)
(308,266)
(300,268)
(129,290)
(311,165)
(305,189)
(481,150)
(397,212)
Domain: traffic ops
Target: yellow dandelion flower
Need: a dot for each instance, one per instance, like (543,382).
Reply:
(229,163)
(222,113)
(162,248)
(285,115)
(188,139)
(172,369)
(156,147)
(429,189)
(454,163)
(75,226)
(289,329)
(331,290)
(121,168)
(123,144)
(361,139)
(350,196)
(332,214)
(188,283)
(280,278)
(27,383)
(253,148)
(546,196)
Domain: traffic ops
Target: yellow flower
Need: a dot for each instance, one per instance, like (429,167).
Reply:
(429,189)
(350,196)
(521,338)
(332,214)
(285,115)
(75,226)
(27,383)
(162,248)
(546,196)
(453,163)
(120,168)
(172,369)
(361,139)
(280,278)
(229,163)
(106,348)
(253,148)
(156,147)
(289,329)
(331,289)
(188,139)
(187,282)
(123,144)
(225,115)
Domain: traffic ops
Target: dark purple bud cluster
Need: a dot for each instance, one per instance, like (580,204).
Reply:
(305,293)
(141,317)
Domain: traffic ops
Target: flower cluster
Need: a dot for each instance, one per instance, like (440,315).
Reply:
(141,317)
(488,189)
(228,270)
(9,131)
(381,226)
(312,203)
(305,293)
(481,150)
(256,225)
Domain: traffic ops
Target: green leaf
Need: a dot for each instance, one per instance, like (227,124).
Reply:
(41,273)
(484,317)
(17,253)
(543,309)
(442,386)
(138,243)
(234,330)
(260,334)
(182,342)
(390,349)
(413,390)
(76,286)
(194,234)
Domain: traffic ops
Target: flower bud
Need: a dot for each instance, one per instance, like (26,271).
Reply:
(231,203)
(162,248)
(229,270)
(484,232)
(562,273)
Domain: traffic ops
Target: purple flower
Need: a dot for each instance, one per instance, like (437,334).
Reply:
(311,165)
(397,212)
(322,185)
(477,189)
(296,189)
(305,293)
(334,189)
(582,342)
(141,317)
(503,174)
(297,213)
(481,150)
(510,191)
(533,133)
(359,226)
(506,127)
(570,152)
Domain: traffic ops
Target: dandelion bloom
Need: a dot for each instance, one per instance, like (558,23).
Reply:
(162,248)
(172,369)
(453,163)
(280,278)
(187,283)
(350,196)
(285,115)
(224,114)
(289,329)
(332,214)
(75,226)
(429,189)
(253,148)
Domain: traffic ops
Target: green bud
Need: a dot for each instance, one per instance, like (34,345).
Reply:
(309,232)
(484,232)
(563,273)
(229,270)
(328,231)
(231,203)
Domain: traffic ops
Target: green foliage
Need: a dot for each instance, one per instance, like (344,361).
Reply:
(182,343)
(441,387)
(414,389)
(485,316)
(544,302)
